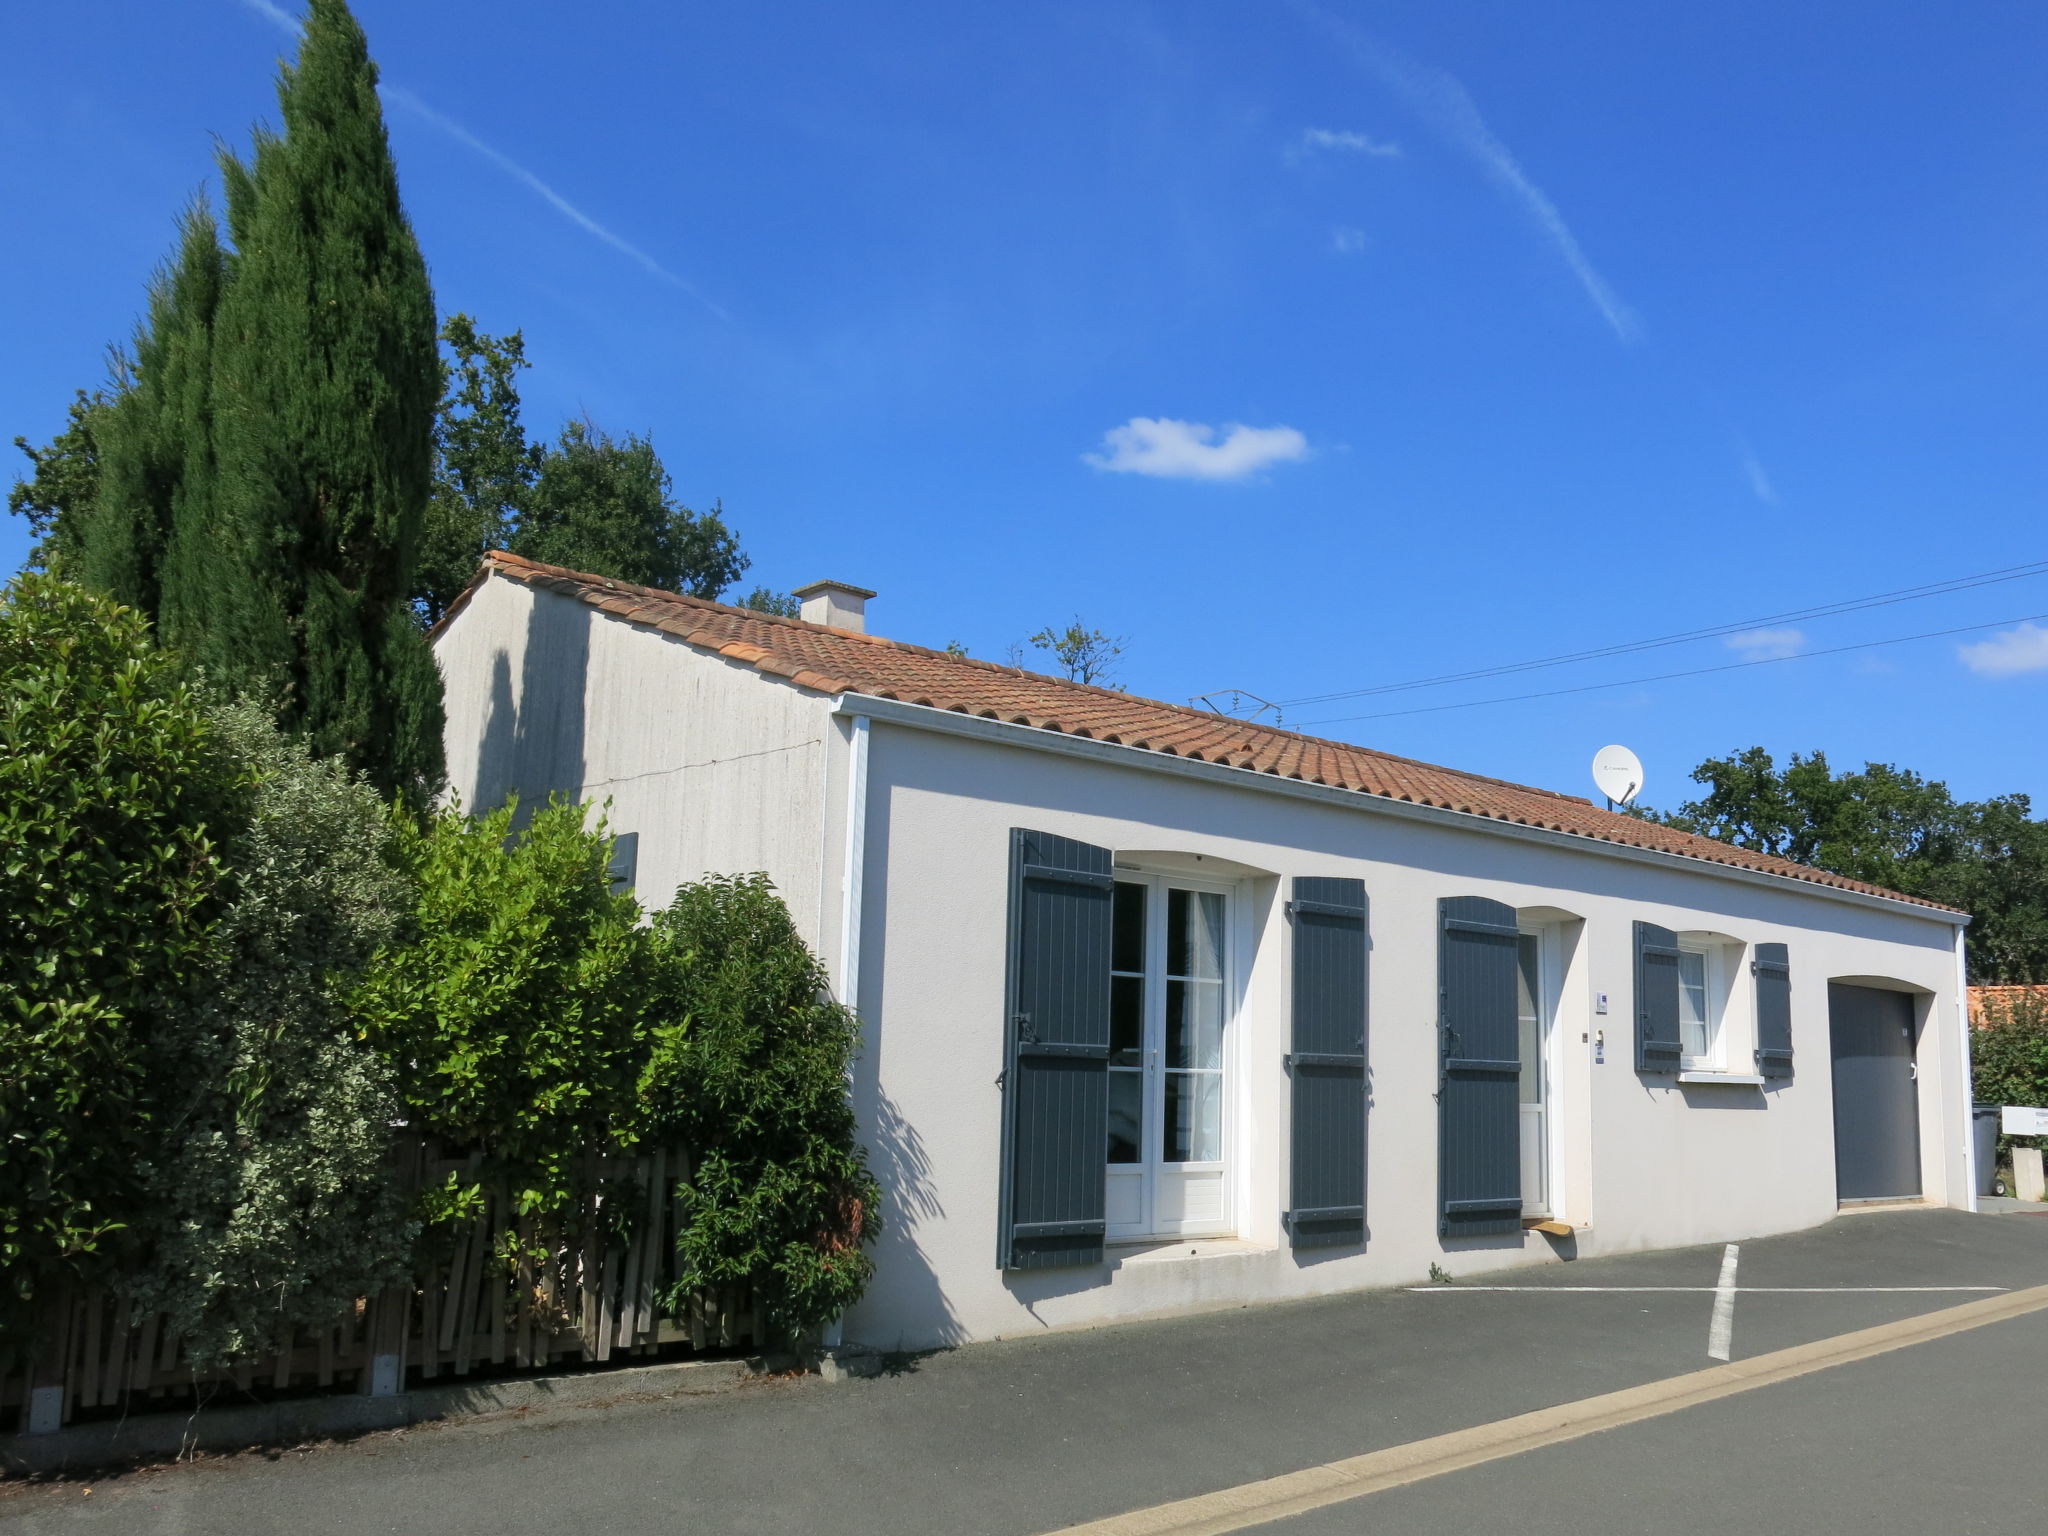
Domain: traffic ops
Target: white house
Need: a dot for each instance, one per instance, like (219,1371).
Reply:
(1167,1010)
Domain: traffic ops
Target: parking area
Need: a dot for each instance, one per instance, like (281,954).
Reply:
(1031,1435)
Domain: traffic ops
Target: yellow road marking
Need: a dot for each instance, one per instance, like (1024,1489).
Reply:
(1335,1482)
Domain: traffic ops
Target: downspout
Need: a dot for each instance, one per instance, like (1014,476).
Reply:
(855,823)
(1969,1085)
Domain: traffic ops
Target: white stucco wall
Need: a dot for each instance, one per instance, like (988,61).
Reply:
(718,770)
(1646,1162)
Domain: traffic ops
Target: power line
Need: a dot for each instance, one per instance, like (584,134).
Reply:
(1629,682)
(1825,610)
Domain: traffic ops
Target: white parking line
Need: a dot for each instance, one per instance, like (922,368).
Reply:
(1712,1290)
(1721,1331)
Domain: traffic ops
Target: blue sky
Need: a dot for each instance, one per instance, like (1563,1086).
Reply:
(1312,347)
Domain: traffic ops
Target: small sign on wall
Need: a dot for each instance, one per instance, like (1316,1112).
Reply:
(2023,1120)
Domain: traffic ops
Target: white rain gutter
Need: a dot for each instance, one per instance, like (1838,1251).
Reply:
(862,707)
(851,874)
(851,871)
(1968,1079)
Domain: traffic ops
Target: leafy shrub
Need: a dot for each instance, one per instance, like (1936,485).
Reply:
(114,793)
(531,1016)
(271,1198)
(779,1197)
(514,1013)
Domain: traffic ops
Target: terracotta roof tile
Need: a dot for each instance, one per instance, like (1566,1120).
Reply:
(842,661)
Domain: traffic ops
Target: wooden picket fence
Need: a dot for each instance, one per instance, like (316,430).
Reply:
(591,1299)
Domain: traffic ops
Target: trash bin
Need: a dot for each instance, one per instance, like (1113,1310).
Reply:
(1984,1126)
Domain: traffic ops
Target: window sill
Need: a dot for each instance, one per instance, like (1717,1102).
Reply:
(1124,1252)
(1724,1079)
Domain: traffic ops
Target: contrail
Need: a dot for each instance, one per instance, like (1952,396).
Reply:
(398,95)
(277,15)
(1438,98)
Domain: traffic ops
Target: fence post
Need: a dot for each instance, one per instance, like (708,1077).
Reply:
(45,1408)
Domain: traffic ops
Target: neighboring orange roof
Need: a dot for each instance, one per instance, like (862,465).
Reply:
(841,661)
(2001,1001)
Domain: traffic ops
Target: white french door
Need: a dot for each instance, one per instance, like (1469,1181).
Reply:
(1170,1009)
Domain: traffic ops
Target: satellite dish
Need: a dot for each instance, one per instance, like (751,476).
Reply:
(1617,774)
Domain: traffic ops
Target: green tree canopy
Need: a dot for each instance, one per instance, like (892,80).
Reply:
(768,600)
(1083,655)
(149,539)
(1891,827)
(604,505)
(325,381)
(484,467)
(63,482)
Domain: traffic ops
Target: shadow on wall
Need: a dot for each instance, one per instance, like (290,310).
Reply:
(912,1298)
(532,742)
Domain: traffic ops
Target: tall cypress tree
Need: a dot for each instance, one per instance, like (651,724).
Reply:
(156,436)
(325,380)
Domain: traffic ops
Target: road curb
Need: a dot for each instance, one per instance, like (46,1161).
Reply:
(160,1436)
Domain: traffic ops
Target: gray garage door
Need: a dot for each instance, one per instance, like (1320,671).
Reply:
(1877,1110)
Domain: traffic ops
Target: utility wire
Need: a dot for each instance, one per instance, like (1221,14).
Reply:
(1629,682)
(1825,610)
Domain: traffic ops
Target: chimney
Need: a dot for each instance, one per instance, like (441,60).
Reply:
(837,604)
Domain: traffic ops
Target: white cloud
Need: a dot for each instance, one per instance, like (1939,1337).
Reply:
(1346,140)
(2009,654)
(1192,450)
(1346,241)
(1768,644)
(1438,98)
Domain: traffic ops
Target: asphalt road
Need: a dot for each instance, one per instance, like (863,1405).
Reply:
(1030,1435)
(1944,1437)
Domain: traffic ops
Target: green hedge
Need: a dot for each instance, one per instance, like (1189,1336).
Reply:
(2009,1056)
(532,1016)
(114,795)
(228,970)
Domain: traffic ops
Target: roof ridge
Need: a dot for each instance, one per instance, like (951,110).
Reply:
(505,557)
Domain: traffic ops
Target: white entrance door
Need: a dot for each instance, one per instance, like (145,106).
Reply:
(1533,1032)
(1169,1010)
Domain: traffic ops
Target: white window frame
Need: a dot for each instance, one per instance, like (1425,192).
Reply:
(1548,997)
(1235,961)
(1713,953)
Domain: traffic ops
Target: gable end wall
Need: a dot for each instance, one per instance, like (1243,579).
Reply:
(718,769)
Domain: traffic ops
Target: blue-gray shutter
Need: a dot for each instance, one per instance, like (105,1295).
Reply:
(1327,1063)
(1056,1071)
(1479,1151)
(1657,1041)
(1773,969)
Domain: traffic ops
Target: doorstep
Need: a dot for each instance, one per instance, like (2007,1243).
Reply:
(147,1437)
